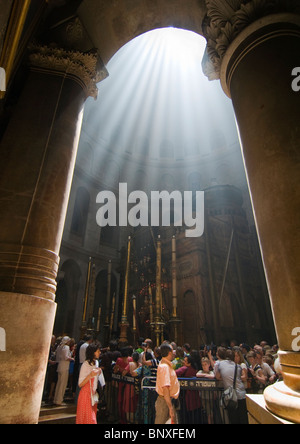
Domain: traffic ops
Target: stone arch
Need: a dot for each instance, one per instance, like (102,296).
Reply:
(112,28)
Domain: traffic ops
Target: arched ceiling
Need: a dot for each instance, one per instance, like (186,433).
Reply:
(113,23)
(157,104)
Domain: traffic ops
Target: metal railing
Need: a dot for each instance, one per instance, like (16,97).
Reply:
(132,400)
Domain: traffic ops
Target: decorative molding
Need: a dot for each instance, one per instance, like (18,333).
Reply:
(87,68)
(226,19)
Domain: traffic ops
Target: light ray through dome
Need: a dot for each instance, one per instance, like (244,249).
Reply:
(157,104)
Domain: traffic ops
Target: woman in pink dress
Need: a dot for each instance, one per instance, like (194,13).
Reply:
(88,380)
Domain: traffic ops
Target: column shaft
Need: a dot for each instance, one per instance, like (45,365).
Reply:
(256,72)
(38,152)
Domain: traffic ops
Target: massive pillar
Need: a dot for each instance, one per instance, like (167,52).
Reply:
(254,54)
(38,152)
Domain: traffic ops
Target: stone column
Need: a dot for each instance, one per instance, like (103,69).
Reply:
(254,54)
(38,154)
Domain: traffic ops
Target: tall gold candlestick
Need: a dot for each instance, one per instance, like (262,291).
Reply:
(158,296)
(124,323)
(99,316)
(134,313)
(174,279)
(112,314)
(91,297)
(124,314)
(158,280)
(87,287)
(150,305)
(108,293)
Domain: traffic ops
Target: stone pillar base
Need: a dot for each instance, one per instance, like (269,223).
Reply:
(258,412)
(26,326)
(283,401)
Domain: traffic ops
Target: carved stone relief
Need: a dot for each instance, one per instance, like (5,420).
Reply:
(227,18)
(86,67)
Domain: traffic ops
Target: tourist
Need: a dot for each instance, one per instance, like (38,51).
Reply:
(225,372)
(63,357)
(51,376)
(258,379)
(82,351)
(207,398)
(205,372)
(267,370)
(130,397)
(140,348)
(119,367)
(186,348)
(239,359)
(167,388)
(179,358)
(191,399)
(88,381)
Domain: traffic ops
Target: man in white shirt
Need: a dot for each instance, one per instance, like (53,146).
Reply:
(82,351)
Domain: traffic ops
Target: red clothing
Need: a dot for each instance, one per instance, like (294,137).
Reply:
(122,364)
(86,413)
(186,372)
(192,398)
(130,399)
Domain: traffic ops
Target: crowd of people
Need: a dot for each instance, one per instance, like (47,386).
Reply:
(86,370)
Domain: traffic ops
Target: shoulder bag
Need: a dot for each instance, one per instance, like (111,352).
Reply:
(229,400)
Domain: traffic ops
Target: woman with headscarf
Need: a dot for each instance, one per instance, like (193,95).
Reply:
(63,357)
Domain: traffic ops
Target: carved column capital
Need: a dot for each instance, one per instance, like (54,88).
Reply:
(85,68)
(226,19)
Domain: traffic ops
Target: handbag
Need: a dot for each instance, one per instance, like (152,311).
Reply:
(94,396)
(229,400)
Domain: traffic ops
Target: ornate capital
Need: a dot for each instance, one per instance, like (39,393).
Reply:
(85,68)
(226,19)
